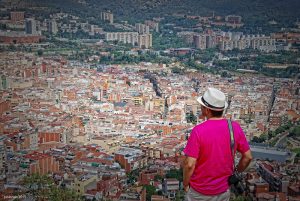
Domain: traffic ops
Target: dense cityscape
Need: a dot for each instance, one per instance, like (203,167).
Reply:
(101,108)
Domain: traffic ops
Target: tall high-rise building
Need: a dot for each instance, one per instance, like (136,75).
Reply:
(210,41)
(16,16)
(4,82)
(30,26)
(152,25)
(145,41)
(52,26)
(200,41)
(142,28)
(140,40)
(125,37)
(235,19)
(258,42)
(204,41)
(107,16)
(92,30)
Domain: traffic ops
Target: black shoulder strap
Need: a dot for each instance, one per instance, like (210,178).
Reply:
(232,141)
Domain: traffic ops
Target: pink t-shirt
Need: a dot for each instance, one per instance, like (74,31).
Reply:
(209,143)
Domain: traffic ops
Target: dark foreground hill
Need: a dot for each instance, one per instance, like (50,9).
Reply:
(252,11)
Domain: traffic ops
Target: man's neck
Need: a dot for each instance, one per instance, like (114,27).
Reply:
(215,118)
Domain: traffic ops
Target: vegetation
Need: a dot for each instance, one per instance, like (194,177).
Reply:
(132,176)
(180,195)
(150,190)
(241,198)
(121,57)
(289,72)
(261,11)
(158,177)
(297,151)
(167,40)
(42,187)
(40,52)
(254,60)
(295,132)
(262,138)
(191,118)
(176,174)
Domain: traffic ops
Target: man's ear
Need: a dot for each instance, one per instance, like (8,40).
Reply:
(205,110)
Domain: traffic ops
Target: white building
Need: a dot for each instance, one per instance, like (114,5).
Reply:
(31,26)
(125,37)
(52,27)
(145,41)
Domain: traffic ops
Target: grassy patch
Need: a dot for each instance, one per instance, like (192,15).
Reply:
(297,151)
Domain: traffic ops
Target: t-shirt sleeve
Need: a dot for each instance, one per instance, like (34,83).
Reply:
(192,146)
(241,141)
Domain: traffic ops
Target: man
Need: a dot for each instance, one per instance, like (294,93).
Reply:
(209,162)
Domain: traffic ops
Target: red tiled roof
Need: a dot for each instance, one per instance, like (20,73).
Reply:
(97,160)
(36,156)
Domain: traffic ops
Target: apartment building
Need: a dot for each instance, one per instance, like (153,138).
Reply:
(145,41)
(130,159)
(152,25)
(234,19)
(4,106)
(31,26)
(170,187)
(142,28)
(258,42)
(107,16)
(275,179)
(84,182)
(125,37)
(204,41)
(16,16)
(134,38)
(263,43)
(52,27)
(148,176)
(41,163)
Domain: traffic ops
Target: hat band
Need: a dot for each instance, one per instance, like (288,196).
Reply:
(209,105)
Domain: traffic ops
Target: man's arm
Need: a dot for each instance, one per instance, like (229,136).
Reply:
(188,169)
(244,161)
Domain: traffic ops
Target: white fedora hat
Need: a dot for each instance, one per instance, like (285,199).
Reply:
(213,99)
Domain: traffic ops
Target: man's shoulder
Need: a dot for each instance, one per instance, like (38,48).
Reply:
(235,123)
(201,125)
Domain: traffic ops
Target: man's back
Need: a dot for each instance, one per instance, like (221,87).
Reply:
(209,143)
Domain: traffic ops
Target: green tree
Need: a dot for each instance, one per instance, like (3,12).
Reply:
(176,174)
(262,138)
(158,177)
(42,187)
(40,52)
(132,176)
(177,70)
(180,195)
(191,118)
(38,185)
(58,194)
(150,190)
(295,131)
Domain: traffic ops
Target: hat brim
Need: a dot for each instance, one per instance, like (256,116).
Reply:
(199,99)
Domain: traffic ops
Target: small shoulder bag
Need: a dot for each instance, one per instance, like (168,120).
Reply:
(235,180)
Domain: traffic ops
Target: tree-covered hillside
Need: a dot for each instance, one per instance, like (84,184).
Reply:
(254,11)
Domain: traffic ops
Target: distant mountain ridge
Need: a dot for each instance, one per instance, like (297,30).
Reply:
(251,10)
